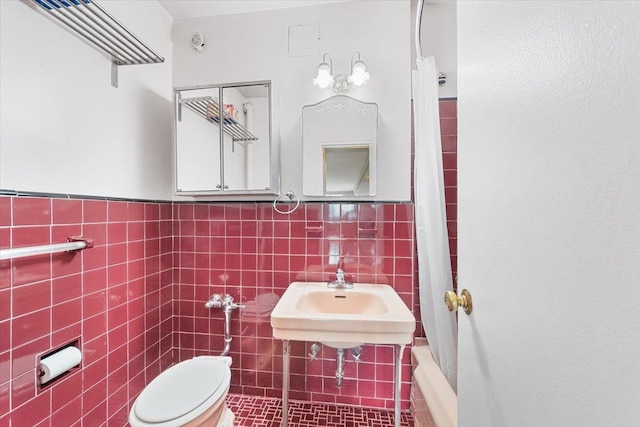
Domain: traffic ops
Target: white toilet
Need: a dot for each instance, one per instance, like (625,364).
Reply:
(189,394)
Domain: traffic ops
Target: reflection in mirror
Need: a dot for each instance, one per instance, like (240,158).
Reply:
(246,151)
(339,140)
(197,145)
(346,170)
(243,163)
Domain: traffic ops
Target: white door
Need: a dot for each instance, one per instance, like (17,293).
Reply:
(549,213)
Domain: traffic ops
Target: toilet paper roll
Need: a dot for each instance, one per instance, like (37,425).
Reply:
(58,363)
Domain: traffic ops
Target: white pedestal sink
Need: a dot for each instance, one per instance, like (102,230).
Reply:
(342,318)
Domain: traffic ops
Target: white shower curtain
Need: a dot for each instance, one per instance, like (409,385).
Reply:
(434,264)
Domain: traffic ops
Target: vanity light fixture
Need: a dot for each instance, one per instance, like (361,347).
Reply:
(341,83)
(324,79)
(359,74)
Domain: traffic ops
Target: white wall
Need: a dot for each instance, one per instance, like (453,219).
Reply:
(254,46)
(549,213)
(63,128)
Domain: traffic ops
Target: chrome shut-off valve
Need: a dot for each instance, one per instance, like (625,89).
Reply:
(315,349)
(356,353)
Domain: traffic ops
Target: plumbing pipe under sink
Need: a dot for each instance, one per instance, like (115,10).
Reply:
(339,366)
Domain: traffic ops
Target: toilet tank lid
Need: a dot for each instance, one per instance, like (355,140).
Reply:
(181,389)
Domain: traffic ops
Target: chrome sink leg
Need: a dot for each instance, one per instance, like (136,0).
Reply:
(286,348)
(397,354)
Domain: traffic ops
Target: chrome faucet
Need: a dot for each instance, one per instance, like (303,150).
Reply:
(340,283)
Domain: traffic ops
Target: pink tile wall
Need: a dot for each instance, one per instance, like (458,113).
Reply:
(449,132)
(139,294)
(253,253)
(115,298)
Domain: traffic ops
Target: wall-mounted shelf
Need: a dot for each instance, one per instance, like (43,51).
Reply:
(88,19)
(209,110)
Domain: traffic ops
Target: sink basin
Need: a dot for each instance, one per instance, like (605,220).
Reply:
(342,318)
(352,302)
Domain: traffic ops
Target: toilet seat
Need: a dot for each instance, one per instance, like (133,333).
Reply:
(182,392)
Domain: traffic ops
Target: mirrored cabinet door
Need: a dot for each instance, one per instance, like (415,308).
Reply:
(197,146)
(247,129)
(223,140)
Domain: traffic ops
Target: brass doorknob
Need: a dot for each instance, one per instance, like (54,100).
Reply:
(453,301)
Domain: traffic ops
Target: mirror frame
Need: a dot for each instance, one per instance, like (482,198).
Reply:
(274,145)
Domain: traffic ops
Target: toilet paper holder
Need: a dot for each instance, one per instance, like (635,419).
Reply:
(58,363)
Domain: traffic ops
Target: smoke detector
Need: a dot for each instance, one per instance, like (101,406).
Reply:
(197,41)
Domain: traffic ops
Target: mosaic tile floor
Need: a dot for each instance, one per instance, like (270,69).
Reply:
(252,411)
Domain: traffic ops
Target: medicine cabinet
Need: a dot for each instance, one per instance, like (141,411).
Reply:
(222,141)
(339,148)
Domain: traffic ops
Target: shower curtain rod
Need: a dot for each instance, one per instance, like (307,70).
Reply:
(419,28)
(442,77)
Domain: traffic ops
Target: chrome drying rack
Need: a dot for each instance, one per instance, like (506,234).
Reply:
(209,109)
(91,21)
